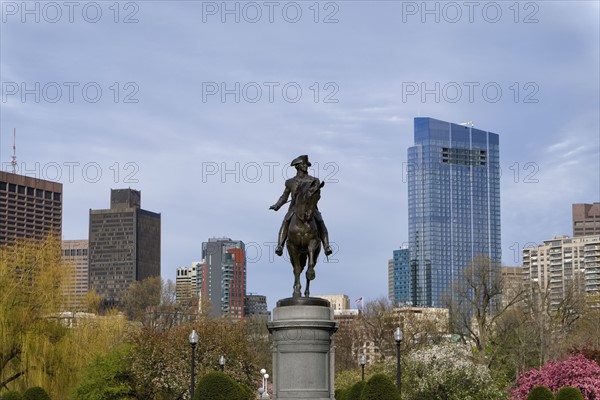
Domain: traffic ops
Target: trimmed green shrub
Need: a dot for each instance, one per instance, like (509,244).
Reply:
(340,394)
(380,387)
(355,392)
(246,392)
(217,386)
(36,393)
(540,393)
(569,393)
(11,395)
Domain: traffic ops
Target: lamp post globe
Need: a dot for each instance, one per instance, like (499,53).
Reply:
(363,361)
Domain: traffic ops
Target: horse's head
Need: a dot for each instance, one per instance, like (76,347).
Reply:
(307,197)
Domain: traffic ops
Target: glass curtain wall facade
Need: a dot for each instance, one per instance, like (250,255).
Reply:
(398,277)
(453,205)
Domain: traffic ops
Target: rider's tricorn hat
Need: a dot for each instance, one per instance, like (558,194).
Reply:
(301,159)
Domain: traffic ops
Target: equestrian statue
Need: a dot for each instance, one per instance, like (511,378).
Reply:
(303,227)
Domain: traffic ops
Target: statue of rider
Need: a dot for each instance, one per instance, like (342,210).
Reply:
(291,185)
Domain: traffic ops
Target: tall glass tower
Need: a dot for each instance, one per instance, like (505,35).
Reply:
(453,205)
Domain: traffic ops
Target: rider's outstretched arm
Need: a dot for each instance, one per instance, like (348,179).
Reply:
(282,200)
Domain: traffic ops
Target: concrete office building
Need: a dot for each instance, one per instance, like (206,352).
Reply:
(453,205)
(563,264)
(30,208)
(75,255)
(186,282)
(512,283)
(124,245)
(338,302)
(586,219)
(222,278)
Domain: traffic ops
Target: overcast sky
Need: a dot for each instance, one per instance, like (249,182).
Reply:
(202,105)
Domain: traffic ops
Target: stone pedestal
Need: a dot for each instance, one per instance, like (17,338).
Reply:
(303,353)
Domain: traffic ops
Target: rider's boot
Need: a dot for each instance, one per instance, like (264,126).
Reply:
(281,239)
(327,247)
(325,238)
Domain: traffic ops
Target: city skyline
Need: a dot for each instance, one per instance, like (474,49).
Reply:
(182,122)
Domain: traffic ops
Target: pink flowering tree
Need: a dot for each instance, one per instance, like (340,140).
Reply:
(576,371)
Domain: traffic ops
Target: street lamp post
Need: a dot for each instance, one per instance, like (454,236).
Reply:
(222,363)
(266,392)
(398,338)
(193,338)
(262,390)
(363,361)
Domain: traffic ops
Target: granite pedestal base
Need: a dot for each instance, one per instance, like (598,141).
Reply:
(303,352)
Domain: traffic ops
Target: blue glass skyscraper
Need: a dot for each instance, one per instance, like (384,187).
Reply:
(398,269)
(453,205)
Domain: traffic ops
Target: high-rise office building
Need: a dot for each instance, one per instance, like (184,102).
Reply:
(30,208)
(222,278)
(256,305)
(75,254)
(186,283)
(124,245)
(398,274)
(562,265)
(453,205)
(586,219)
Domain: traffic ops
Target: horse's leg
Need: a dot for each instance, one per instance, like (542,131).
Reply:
(297,270)
(301,264)
(307,290)
(313,253)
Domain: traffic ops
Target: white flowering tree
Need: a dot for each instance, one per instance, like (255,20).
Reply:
(447,372)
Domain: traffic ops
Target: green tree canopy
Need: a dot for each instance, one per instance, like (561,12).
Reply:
(107,377)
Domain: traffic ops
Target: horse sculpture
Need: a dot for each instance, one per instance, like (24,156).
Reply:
(304,241)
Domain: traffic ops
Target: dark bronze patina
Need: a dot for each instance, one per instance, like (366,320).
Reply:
(303,227)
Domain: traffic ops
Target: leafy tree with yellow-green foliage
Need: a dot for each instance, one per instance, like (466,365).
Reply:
(31,276)
(36,347)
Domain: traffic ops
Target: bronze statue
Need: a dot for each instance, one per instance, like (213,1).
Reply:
(303,223)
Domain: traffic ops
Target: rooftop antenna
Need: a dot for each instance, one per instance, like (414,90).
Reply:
(13,161)
(470,124)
